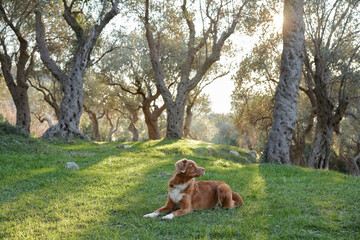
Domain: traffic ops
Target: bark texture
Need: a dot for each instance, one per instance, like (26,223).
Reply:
(17,84)
(297,150)
(277,147)
(331,36)
(113,128)
(188,121)
(134,117)
(71,106)
(327,120)
(152,116)
(94,119)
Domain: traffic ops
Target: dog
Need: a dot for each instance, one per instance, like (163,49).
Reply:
(186,195)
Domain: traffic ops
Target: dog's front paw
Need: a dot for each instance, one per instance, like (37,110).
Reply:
(168,217)
(151,215)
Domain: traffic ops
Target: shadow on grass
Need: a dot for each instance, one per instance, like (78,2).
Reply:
(125,218)
(31,172)
(309,204)
(107,198)
(33,186)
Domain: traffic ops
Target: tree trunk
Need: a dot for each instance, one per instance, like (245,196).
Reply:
(110,133)
(175,117)
(321,146)
(152,126)
(151,117)
(95,122)
(132,128)
(297,157)
(72,83)
(20,97)
(352,165)
(135,132)
(297,150)
(24,66)
(70,107)
(350,159)
(188,121)
(112,129)
(327,122)
(21,100)
(277,147)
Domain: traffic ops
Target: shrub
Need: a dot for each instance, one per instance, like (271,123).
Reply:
(7,128)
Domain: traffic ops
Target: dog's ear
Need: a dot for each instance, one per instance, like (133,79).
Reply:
(181,165)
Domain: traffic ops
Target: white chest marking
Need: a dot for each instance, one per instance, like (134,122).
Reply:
(175,194)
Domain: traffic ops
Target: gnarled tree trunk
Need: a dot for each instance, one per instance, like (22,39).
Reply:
(132,127)
(72,83)
(21,101)
(151,117)
(277,147)
(350,159)
(113,128)
(327,122)
(297,150)
(94,119)
(24,66)
(20,97)
(175,117)
(153,127)
(188,120)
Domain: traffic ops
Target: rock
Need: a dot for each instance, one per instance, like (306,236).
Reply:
(71,165)
(253,154)
(234,152)
(124,146)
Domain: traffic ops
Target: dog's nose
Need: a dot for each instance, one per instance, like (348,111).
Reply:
(202,171)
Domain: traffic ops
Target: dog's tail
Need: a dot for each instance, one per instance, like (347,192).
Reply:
(238,200)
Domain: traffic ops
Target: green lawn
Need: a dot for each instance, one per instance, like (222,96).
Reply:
(114,188)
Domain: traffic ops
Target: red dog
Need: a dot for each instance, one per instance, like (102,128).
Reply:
(186,195)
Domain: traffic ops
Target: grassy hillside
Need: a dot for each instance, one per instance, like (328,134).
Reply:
(114,188)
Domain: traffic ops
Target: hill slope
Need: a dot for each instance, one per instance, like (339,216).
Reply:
(114,188)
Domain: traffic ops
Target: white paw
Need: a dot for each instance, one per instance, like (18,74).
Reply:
(151,215)
(168,217)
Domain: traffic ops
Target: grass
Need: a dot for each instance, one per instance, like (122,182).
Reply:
(114,188)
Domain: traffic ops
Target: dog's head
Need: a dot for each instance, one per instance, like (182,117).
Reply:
(189,168)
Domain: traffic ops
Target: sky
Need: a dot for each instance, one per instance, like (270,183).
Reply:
(220,94)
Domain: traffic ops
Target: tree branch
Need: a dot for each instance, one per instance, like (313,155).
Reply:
(71,21)
(44,52)
(155,62)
